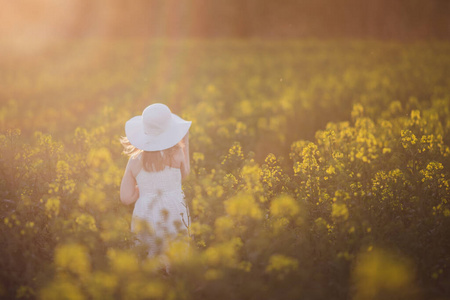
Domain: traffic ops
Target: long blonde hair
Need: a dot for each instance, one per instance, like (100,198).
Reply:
(152,161)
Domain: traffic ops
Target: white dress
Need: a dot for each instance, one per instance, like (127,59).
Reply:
(160,205)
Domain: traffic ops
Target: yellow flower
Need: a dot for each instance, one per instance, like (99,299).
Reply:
(52,206)
(242,206)
(180,252)
(229,180)
(331,170)
(381,274)
(197,228)
(309,162)
(415,116)
(99,158)
(251,175)
(408,138)
(234,155)
(223,227)
(357,111)
(93,197)
(73,258)
(279,225)
(281,265)
(224,254)
(198,157)
(339,211)
(246,108)
(241,128)
(123,262)
(86,221)
(284,206)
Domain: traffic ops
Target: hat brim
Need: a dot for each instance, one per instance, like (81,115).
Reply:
(173,134)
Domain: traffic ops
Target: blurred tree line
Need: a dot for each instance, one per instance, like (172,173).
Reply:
(385,19)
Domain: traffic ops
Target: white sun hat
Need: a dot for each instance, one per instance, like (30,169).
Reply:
(157,129)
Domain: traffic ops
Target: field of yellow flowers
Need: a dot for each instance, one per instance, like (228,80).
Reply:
(320,170)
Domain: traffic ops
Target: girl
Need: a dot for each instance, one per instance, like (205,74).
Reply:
(158,145)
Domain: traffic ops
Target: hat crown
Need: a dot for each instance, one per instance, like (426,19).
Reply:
(156,129)
(156,118)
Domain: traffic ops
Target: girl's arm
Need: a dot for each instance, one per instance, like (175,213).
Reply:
(129,191)
(186,166)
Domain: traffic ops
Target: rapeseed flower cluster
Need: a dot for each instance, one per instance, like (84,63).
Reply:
(336,176)
(281,265)
(381,274)
(243,206)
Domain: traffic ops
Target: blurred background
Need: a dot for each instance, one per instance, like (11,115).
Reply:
(30,25)
(96,52)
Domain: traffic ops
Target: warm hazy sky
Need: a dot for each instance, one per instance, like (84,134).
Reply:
(30,25)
